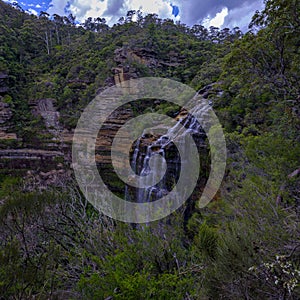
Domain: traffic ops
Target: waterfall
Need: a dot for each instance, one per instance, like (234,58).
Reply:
(147,161)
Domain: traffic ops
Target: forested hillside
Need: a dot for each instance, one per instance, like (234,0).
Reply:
(244,245)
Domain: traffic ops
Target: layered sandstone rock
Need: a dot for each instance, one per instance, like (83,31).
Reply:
(46,159)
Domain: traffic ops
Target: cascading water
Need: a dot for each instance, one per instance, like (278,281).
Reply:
(144,164)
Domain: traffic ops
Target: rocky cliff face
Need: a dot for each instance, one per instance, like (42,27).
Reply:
(132,62)
(27,159)
(147,57)
(46,109)
(49,160)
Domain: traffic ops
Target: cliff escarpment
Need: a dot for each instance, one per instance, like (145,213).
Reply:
(43,151)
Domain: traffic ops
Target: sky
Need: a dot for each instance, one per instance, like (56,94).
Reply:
(226,13)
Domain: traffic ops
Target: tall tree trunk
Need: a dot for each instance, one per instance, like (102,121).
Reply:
(47,42)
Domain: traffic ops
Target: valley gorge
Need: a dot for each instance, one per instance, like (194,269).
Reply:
(236,234)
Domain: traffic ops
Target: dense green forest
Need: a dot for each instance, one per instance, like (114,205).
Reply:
(244,245)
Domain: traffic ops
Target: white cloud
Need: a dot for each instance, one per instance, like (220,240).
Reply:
(83,9)
(217,20)
(57,7)
(38,6)
(112,10)
(160,7)
(219,13)
(32,11)
(241,16)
